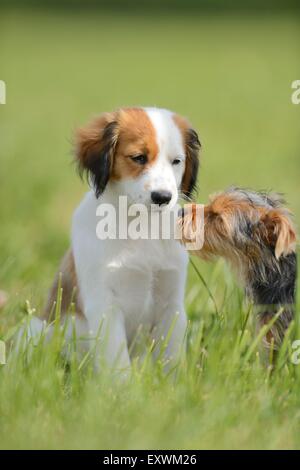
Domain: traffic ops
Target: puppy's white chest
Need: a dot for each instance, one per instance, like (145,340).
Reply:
(132,277)
(125,276)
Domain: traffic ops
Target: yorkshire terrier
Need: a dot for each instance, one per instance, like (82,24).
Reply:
(254,232)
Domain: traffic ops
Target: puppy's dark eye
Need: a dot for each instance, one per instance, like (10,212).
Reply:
(140,159)
(176,161)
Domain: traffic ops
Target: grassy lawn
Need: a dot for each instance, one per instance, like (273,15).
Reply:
(231,75)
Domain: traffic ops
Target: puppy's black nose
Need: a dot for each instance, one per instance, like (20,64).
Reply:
(161,197)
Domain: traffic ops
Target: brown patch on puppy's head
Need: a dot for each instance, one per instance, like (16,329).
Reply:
(192,148)
(108,147)
(137,138)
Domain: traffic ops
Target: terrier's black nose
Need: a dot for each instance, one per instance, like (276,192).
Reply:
(181,212)
(161,197)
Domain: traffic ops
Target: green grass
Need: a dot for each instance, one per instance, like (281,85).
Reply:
(232,76)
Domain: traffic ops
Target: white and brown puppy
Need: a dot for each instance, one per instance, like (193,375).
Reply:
(151,156)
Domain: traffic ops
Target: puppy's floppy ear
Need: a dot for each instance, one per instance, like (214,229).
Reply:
(95,147)
(280,232)
(192,146)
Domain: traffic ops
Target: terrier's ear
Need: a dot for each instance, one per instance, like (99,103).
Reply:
(280,232)
(95,148)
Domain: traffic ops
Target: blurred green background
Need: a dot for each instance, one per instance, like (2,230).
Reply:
(228,67)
